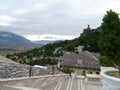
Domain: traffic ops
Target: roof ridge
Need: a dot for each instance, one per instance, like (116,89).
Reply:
(91,55)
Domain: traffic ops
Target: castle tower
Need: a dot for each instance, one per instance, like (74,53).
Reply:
(88,28)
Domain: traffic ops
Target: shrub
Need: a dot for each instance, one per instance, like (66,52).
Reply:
(66,70)
(104,61)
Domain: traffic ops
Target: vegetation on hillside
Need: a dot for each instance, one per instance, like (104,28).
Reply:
(45,55)
(90,41)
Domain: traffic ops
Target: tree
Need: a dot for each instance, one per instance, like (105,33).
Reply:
(109,42)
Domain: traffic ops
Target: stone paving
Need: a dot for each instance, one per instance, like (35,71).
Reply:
(93,86)
(51,83)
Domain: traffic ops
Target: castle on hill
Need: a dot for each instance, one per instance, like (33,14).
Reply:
(88,30)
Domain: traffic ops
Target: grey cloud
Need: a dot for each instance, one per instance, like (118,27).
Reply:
(64,17)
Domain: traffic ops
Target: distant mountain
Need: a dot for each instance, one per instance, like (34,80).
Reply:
(8,38)
(43,42)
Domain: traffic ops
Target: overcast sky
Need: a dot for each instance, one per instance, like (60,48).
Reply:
(53,17)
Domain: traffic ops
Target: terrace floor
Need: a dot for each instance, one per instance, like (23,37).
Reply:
(51,83)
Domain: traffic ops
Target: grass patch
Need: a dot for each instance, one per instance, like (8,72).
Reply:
(113,74)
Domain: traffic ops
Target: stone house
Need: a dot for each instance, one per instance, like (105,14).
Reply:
(81,63)
(59,50)
(79,49)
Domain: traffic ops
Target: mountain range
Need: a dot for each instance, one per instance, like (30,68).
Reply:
(11,41)
(9,38)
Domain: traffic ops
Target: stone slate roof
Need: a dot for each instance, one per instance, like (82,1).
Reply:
(83,60)
(11,69)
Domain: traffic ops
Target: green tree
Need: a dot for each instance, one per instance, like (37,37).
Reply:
(109,42)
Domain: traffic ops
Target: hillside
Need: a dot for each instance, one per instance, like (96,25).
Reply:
(10,43)
(45,55)
(8,38)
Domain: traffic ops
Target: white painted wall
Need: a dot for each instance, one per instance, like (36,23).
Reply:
(109,83)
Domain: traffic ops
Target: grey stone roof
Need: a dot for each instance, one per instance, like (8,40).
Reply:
(83,60)
(11,69)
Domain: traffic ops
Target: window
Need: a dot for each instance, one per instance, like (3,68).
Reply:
(91,72)
(97,72)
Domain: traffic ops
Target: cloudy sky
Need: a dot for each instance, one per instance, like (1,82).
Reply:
(60,18)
